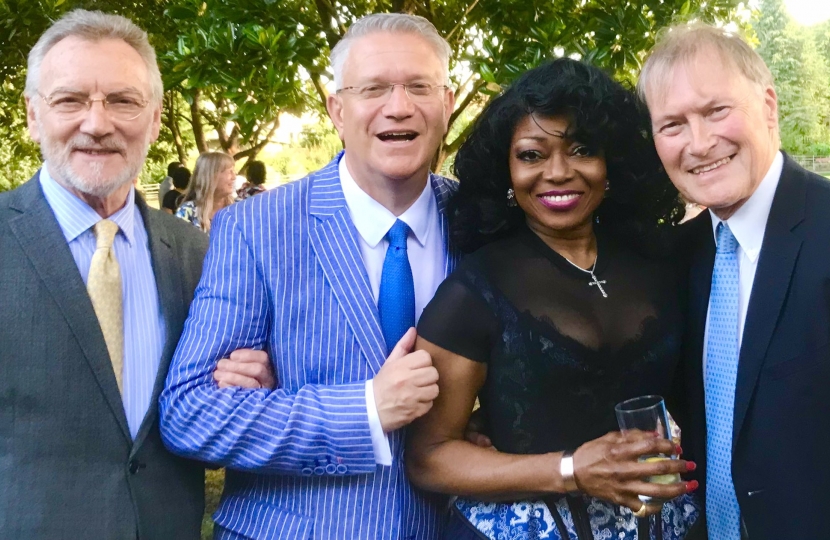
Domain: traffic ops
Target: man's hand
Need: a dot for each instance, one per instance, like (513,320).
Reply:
(474,432)
(245,368)
(405,386)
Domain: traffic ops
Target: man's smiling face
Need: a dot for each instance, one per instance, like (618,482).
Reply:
(716,131)
(393,137)
(93,152)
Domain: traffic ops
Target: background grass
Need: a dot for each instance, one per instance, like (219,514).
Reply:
(214,480)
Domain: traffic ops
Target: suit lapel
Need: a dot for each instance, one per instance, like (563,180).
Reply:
(167,271)
(443,190)
(702,260)
(779,252)
(43,243)
(334,240)
(700,282)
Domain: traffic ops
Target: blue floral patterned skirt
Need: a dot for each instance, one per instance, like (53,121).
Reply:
(532,520)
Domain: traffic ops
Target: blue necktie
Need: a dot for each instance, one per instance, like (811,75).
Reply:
(396,299)
(723,515)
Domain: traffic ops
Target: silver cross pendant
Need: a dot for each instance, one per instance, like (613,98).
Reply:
(599,285)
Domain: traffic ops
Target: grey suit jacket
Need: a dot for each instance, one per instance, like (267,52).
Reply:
(68,466)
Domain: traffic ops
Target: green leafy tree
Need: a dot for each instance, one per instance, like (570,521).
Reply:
(493,41)
(237,65)
(801,76)
(231,67)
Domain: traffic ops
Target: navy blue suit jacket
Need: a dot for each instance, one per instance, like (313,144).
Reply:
(781,433)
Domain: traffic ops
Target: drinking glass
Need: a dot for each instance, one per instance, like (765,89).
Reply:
(648,413)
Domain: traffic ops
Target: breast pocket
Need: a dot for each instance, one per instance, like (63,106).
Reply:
(815,360)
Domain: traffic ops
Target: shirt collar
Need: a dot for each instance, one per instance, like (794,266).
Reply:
(749,222)
(373,220)
(76,217)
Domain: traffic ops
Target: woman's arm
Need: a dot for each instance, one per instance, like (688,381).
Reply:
(438,458)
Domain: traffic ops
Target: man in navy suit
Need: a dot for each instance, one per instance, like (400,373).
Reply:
(758,359)
(328,274)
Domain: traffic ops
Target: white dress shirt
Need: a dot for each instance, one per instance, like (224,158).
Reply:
(748,224)
(425,248)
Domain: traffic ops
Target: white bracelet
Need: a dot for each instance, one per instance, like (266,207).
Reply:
(566,470)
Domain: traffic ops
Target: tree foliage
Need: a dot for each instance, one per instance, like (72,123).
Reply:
(799,60)
(231,67)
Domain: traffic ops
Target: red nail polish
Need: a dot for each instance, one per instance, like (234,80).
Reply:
(691,465)
(691,486)
(678,449)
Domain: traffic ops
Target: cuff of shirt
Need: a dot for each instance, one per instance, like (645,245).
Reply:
(380,441)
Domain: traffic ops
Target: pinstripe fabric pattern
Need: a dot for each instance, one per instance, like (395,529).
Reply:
(144,328)
(284,272)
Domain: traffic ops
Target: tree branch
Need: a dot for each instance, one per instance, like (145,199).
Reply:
(196,122)
(321,90)
(461,20)
(471,95)
(255,149)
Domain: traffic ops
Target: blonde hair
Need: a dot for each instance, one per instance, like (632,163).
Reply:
(682,42)
(203,185)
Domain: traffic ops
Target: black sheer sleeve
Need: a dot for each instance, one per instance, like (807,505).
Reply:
(459,320)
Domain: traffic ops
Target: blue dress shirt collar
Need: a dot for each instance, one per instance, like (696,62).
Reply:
(75,216)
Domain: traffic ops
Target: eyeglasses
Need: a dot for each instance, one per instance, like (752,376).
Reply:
(419,92)
(119,105)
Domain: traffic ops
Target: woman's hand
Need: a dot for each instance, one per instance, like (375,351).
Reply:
(607,468)
(245,368)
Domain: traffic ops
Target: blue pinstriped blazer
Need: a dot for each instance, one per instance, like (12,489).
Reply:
(284,272)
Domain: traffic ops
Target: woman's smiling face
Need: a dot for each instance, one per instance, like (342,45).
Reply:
(558,182)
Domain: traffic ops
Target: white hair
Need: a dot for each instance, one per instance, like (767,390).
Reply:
(94,26)
(391,23)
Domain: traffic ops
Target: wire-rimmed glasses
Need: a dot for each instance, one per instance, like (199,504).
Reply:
(124,106)
(418,91)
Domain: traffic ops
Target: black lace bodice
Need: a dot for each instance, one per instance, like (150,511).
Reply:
(559,356)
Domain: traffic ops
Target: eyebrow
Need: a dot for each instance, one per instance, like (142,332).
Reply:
(70,90)
(697,108)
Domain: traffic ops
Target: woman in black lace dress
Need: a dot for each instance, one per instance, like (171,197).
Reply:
(557,313)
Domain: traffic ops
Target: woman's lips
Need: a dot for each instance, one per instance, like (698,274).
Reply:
(560,201)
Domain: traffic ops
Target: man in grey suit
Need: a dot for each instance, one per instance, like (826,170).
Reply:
(95,287)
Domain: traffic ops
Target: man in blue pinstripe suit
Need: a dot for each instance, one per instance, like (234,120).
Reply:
(304,272)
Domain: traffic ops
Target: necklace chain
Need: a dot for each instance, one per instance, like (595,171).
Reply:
(590,271)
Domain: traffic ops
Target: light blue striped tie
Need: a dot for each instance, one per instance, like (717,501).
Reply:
(396,298)
(723,515)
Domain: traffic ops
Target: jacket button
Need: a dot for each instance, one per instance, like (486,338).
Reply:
(135,466)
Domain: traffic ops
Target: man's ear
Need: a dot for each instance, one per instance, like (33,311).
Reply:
(31,120)
(771,103)
(449,106)
(156,126)
(334,105)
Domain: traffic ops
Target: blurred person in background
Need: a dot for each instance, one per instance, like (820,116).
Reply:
(211,189)
(181,179)
(167,183)
(255,174)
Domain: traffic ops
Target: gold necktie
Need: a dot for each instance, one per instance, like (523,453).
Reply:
(104,287)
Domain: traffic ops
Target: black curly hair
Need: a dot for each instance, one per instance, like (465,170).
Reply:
(604,116)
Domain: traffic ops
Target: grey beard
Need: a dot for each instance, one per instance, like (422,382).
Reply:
(94,184)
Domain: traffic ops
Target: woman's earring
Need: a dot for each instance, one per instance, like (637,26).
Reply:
(511,198)
(607,185)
